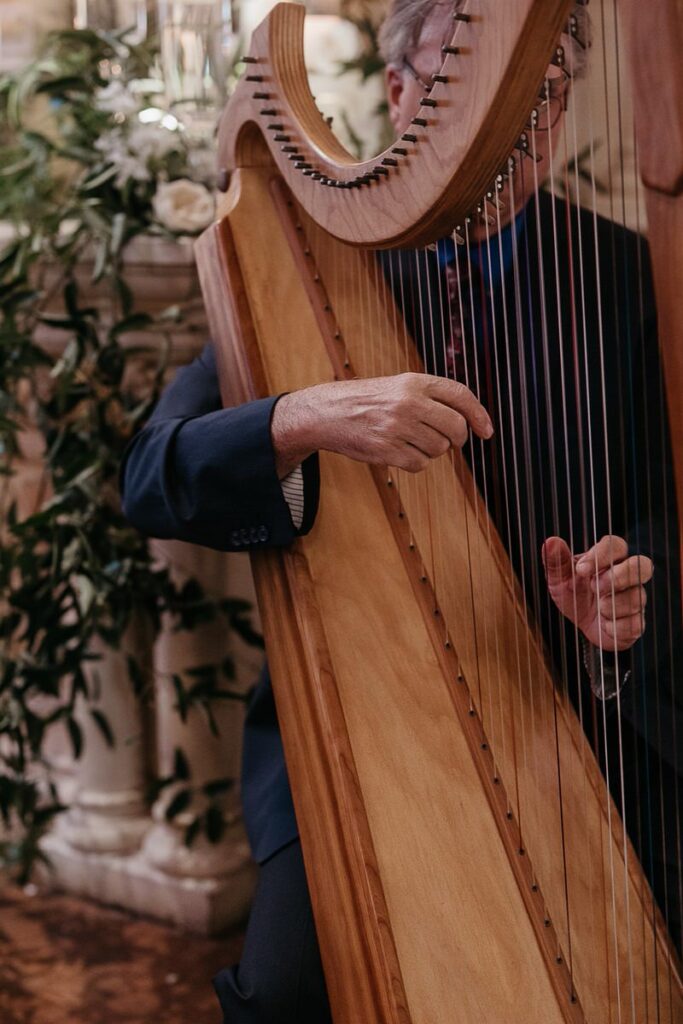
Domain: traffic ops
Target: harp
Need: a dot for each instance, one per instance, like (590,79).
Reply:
(466,860)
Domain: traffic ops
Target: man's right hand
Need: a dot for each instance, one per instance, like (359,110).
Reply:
(402,421)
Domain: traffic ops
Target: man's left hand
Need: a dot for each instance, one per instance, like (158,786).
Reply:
(601,591)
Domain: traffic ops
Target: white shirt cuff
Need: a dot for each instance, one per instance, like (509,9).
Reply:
(293,493)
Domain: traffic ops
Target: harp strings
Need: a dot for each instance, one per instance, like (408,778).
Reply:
(516,349)
(619,768)
(479,480)
(494,355)
(642,510)
(580,349)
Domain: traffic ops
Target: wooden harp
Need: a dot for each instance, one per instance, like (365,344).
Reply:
(465,859)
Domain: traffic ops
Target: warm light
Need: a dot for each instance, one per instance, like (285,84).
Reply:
(154,115)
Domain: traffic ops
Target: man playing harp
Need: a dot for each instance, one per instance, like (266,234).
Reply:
(544,409)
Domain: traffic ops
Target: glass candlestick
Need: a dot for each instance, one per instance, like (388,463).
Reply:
(199,41)
(113,15)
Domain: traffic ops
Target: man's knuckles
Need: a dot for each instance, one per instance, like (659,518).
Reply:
(624,603)
(627,629)
(414,462)
(612,547)
(632,573)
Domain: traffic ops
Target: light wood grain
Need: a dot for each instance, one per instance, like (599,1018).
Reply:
(525,718)
(426,909)
(385,714)
(449,927)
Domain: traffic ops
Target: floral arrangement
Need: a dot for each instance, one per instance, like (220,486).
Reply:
(122,152)
(88,163)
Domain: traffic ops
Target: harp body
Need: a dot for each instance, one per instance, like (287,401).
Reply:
(388,645)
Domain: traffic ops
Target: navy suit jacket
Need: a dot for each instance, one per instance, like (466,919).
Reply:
(206,475)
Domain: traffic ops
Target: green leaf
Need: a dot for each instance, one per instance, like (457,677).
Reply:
(192,831)
(96,180)
(134,322)
(118,233)
(181,704)
(20,165)
(179,803)
(202,672)
(100,261)
(67,83)
(218,786)
(76,736)
(137,676)
(71,299)
(214,824)
(102,723)
(44,815)
(181,768)
(125,296)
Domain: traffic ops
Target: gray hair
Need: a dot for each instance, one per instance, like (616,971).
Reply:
(400,32)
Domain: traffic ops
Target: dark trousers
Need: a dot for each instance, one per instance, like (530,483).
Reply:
(279,979)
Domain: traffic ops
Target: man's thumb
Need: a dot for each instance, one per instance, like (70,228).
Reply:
(557,560)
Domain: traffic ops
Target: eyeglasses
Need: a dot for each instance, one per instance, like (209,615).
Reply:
(552,101)
(416,75)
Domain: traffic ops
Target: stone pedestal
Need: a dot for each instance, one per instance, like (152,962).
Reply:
(109,810)
(210,757)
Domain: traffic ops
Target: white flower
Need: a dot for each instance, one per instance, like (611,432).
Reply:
(183,205)
(113,146)
(133,151)
(116,98)
(152,141)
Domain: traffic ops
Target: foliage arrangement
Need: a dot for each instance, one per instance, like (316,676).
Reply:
(82,173)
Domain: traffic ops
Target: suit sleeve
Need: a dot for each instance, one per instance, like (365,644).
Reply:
(203,474)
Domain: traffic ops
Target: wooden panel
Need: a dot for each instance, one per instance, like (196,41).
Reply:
(605,908)
(404,770)
(375,738)
(347,896)
(450,929)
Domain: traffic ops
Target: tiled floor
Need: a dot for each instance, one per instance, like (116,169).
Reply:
(68,961)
